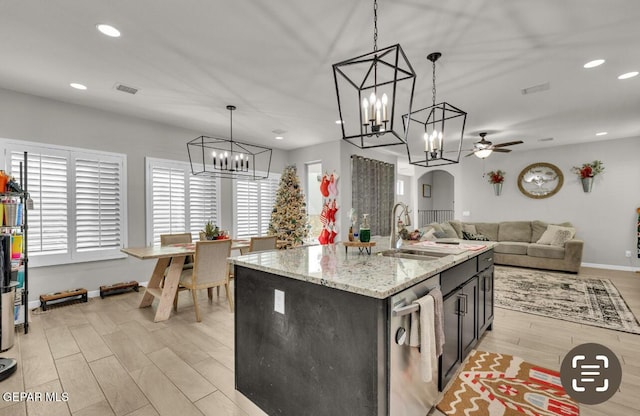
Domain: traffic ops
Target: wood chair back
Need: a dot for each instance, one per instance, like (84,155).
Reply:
(261,244)
(211,267)
(166,239)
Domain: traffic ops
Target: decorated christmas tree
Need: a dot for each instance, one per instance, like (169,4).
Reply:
(289,214)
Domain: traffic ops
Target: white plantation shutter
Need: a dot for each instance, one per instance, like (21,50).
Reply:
(178,201)
(247,222)
(79,202)
(203,203)
(253,203)
(169,215)
(98,210)
(48,221)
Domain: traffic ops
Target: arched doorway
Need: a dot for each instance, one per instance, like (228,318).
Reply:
(435,197)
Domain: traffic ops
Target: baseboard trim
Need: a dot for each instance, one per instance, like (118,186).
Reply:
(611,267)
(33,304)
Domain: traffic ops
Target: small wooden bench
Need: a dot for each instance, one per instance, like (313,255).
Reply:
(65,297)
(117,288)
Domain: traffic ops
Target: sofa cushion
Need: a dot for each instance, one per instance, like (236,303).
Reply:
(519,231)
(457,226)
(539,227)
(556,235)
(469,228)
(510,247)
(449,231)
(488,229)
(545,251)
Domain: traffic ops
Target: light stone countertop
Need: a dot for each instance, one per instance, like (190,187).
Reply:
(370,275)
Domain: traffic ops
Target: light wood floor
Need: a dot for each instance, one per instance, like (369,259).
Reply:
(111,358)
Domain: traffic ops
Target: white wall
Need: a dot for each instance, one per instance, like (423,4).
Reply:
(27,117)
(605,219)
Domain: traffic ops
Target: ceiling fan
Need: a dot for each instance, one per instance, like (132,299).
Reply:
(484,147)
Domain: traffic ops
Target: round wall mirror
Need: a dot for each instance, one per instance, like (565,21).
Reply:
(540,180)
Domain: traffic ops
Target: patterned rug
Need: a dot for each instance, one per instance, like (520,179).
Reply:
(492,384)
(594,302)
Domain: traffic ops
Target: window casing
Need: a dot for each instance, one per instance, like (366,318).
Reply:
(178,201)
(252,205)
(79,202)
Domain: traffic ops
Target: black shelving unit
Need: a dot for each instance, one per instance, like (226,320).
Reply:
(23,197)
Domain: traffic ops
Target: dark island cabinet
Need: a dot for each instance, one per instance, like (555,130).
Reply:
(467,309)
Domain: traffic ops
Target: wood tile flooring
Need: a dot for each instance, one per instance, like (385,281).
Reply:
(112,359)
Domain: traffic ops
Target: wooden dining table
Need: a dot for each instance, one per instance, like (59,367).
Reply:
(172,256)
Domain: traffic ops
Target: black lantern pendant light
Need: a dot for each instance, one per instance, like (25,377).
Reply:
(433,144)
(373,90)
(228,158)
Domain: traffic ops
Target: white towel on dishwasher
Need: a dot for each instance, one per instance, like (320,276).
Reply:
(423,329)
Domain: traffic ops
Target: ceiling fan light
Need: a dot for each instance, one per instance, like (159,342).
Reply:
(483,153)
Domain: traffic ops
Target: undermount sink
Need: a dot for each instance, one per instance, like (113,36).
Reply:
(413,254)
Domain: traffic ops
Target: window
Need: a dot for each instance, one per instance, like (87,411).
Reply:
(178,201)
(400,187)
(79,202)
(253,203)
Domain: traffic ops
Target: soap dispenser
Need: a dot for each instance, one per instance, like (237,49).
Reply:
(365,231)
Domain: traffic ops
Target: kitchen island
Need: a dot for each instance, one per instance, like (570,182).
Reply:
(315,327)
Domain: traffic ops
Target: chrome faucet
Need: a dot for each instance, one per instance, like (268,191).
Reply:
(393,243)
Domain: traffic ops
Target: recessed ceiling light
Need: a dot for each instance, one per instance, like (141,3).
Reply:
(628,75)
(78,86)
(602,133)
(279,137)
(339,122)
(594,63)
(108,30)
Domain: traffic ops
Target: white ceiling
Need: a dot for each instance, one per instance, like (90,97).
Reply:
(272,59)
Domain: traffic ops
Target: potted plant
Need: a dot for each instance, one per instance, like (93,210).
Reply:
(496,178)
(211,231)
(587,172)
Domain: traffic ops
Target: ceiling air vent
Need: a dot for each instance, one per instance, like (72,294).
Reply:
(126,88)
(536,88)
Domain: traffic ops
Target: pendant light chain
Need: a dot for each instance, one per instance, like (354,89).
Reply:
(375,25)
(433,89)
(230,125)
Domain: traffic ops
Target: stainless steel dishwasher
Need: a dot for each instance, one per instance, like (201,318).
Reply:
(409,395)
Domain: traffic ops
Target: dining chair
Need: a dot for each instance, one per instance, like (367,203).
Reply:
(211,269)
(260,244)
(168,239)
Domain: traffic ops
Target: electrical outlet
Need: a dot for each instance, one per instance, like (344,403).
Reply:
(627,253)
(278,304)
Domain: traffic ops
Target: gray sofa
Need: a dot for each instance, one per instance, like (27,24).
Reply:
(517,244)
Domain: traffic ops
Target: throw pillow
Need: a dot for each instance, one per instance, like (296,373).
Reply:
(448,230)
(474,236)
(439,234)
(436,227)
(428,235)
(469,228)
(457,226)
(549,236)
(561,237)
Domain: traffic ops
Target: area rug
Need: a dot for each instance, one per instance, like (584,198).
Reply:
(492,384)
(594,302)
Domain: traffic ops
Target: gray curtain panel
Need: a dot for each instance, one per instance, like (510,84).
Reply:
(373,187)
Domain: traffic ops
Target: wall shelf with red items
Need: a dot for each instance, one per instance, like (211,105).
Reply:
(14,223)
